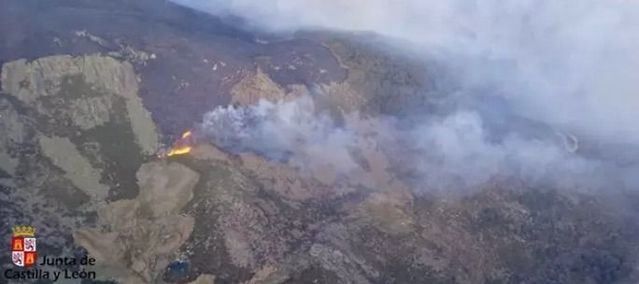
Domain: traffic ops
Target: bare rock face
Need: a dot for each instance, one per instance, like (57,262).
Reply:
(165,188)
(41,82)
(84,113)
(256,86)
(74,135)
(204,279)
(144,233)
(63,154)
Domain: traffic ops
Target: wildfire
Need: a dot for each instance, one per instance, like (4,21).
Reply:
(179,151)
(182,146)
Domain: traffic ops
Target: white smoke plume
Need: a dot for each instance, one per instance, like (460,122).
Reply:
(572,65)
(452,153)
(286,131)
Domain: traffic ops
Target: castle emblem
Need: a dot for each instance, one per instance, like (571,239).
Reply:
(23,246)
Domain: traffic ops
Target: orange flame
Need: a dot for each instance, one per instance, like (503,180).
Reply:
(179,151)
(182,146)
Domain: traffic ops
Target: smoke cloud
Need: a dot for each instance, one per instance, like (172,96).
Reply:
(450,153)
(571,65)
(284,131)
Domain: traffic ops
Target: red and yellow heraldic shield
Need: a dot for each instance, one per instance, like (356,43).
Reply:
(23,246)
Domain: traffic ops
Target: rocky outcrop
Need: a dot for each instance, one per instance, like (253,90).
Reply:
(91,104)
(52,85)
(256,86)
(63,154)
(144,233)
(74,133)
(204,279)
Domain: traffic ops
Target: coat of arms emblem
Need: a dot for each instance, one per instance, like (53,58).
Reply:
(23,246)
